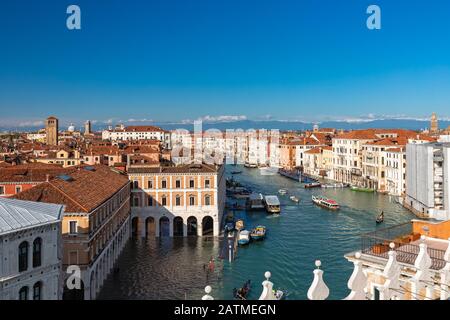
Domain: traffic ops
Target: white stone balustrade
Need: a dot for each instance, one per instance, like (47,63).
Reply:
(357,282)
(391,273)
(318,289)
(445,275)
(267,293)
(207,296)
(423,276)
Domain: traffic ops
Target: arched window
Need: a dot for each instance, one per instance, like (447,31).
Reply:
(207,200)
(135,201)
(23,256)
(178,201)
(191,200)
(37,291)
(23,293)
(37,252)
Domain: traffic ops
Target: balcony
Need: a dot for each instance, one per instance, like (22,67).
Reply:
(406,245)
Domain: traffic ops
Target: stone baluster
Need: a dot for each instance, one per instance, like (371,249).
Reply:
(445,275)
(267,293)
(390,290)
(207,296)
(423,275)
(318,289)
(358,281)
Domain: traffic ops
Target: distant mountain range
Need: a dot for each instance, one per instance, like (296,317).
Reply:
(275,124)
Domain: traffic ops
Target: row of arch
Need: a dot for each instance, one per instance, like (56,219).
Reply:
(36,294)
(178,229)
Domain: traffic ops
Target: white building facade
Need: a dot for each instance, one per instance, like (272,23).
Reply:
(30,250)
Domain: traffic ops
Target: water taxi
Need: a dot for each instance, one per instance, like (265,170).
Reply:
(334,185)
(272,204)
(239,224)
(282,191)
(313,185)
(295,199)
(362,189)
(325,203)
(258,233)
(244,237)
(255,201)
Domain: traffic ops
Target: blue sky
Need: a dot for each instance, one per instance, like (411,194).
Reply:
(173,60)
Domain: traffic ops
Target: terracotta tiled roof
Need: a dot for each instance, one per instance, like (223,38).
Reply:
(143,129)
(83,192)
(314,151)
(192,168)
(32,172)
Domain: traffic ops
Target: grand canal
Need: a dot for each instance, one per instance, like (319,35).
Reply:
(174,268)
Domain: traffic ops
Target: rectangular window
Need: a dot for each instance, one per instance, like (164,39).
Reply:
(178,184)
(150,184)
(207,183)
(191,184)
(73,227)
(2,190)
(18,189)
(164,184)
(150,201)
(164,201)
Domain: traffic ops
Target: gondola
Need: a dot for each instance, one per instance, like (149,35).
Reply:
(380,218)
(241,294)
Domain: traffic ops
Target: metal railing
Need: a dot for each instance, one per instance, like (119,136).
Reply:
(377,244)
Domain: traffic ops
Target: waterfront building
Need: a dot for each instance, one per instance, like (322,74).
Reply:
(130,133)
(30,250)
(301,146)
(396,170)
(186,200)
(18,178)
(95,225)
(51,129)
(428,180)
(318,162)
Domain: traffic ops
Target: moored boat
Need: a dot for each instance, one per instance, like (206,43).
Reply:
(295,199)
(325,203)
(258,233)
(236,172)
(334,185)
(244,237)
(282,191)
(255,201)
(272,204)
(312,185)
(362,189)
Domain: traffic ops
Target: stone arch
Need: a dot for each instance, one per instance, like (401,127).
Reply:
(192,226)
(207,225)
(135,226)
(164,227)
(178,227)
(150,227)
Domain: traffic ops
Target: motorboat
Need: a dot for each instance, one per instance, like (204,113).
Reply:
(258,233)
(295,199)
(236,172)
(362,189)
(313,185)
(334,185)
(272,204)
(282,191)
(325,203)
(244,237)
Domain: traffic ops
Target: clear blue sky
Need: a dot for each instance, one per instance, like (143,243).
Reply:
(170,60)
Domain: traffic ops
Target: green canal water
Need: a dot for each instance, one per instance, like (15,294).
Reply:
(174,268)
